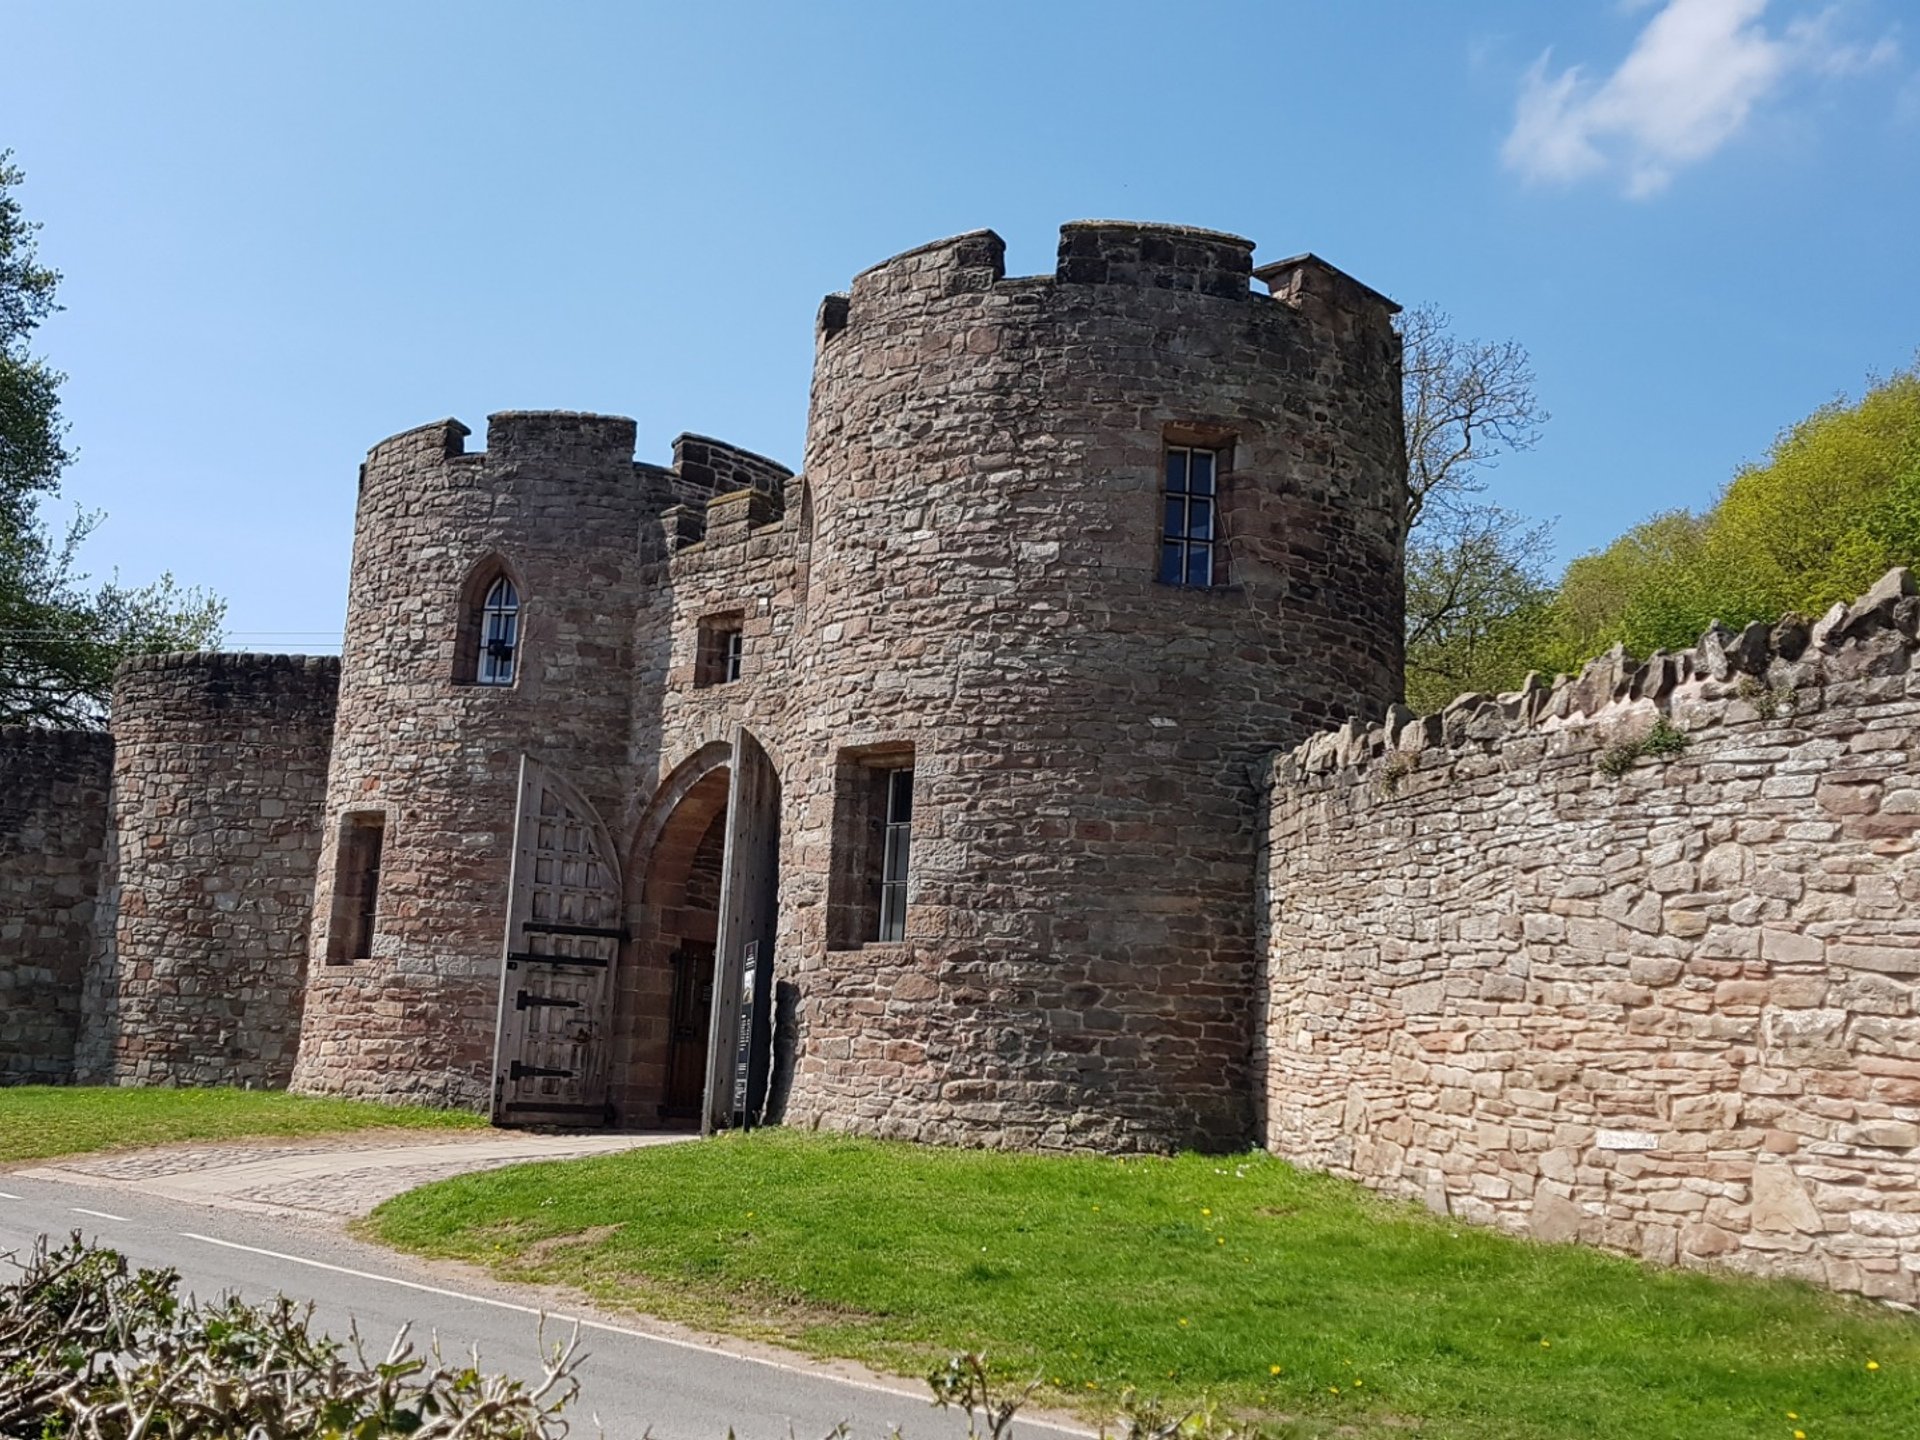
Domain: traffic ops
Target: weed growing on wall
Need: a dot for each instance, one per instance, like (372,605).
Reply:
(1394,773)
(1663,741)
(1768,701)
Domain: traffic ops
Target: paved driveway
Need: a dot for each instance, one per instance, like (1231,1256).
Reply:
(270,1216)
(336,1178)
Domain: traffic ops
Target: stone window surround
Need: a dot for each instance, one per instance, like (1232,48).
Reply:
(862,774)
(469,620)
(719,657)
(1222,440)
(356,884)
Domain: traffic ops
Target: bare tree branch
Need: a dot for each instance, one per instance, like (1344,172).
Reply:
(1467,403)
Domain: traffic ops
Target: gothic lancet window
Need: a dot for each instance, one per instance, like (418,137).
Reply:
(487,650)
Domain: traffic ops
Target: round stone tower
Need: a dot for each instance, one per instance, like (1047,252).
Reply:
(489,617)
(220,764)
(994,468)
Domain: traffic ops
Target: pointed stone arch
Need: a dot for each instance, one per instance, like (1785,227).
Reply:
(664,990)
(667,795)
(701,870)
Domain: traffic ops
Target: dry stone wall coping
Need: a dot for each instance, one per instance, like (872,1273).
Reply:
(1760,666)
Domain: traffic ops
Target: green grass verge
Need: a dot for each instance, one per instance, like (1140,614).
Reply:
(37,1121)
(1290,1296)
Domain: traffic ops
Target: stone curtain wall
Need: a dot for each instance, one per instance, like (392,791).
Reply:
(219,773)
(53,833)
(1673,1011)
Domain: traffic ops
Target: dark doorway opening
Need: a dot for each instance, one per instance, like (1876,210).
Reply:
(668,989)
(689,1016)
(697,997)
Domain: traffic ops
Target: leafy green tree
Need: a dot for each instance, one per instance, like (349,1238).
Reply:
(1476,604)
(1643,590)
(1832,509)
(1835,505)
(59,638)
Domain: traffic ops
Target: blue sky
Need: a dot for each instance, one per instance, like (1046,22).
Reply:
(290,231)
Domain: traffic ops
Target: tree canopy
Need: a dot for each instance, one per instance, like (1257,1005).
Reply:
(1833,506)
(60,637)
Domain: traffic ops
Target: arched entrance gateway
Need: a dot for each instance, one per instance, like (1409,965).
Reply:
(656,1011)
(694,1002)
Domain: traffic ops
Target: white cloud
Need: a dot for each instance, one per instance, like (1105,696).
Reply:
(1690,84)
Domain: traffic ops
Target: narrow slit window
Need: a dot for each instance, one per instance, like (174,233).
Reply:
(499,634)
(1190,548)
(893,862)
(356,888)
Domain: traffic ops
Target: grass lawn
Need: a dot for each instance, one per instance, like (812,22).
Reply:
(41,1120)
(1286,1295)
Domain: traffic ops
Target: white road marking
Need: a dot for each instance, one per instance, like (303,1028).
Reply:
(99,1214)
(586,1324)
(5,1196)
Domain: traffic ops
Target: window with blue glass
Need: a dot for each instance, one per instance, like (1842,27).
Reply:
(1190,548)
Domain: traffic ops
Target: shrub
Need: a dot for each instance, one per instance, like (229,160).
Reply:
(93,1350)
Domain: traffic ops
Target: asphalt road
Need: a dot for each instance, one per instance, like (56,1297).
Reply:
(633,1381)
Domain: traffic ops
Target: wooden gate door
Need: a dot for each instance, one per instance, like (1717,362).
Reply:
(556,980)
(749,885)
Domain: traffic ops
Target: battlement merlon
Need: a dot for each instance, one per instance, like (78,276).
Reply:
(1302,280)
(436,440)
(973,261)
(1166,257)
(709,467)
(1110,252)
(568,437)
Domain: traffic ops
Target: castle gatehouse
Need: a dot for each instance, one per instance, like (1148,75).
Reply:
(930,791)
